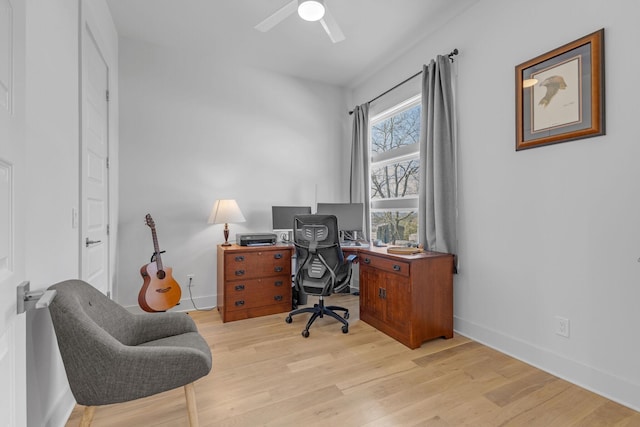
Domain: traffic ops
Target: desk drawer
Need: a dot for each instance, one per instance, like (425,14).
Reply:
(391,265)
(244,294)
(247,265)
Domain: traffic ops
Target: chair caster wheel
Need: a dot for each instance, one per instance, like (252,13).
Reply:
(305,333)
(345,329)
(288,319)
(346,315)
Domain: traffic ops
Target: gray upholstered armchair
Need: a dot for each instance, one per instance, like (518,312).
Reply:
(111,355)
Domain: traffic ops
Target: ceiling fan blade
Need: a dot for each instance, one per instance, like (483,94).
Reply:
(332,28)
(278,16)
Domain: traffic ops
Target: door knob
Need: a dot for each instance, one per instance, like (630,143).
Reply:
(91,242)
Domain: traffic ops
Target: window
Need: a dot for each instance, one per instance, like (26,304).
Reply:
(395,173)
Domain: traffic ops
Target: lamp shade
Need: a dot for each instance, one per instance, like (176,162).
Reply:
(225,211)
(311,10)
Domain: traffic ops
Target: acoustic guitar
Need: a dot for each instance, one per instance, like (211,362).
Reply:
(159,291)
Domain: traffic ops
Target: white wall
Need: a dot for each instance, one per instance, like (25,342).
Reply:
(195,129)
(552,230)
(52,152)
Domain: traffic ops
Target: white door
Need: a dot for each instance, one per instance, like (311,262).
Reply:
(94,193)
(13,200)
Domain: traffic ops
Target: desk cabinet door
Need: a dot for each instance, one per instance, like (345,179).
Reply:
(398,302)
(370,292)
(387,297)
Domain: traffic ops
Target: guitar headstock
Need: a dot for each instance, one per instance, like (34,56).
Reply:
(149,221)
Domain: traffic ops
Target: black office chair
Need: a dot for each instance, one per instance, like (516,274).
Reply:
(321,268)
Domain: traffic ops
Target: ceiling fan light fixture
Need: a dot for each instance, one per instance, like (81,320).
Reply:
(311,10)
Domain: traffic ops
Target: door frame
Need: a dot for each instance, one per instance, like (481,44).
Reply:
(13,368)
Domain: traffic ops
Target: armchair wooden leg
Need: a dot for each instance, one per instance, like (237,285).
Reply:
(190,394)
(87,416)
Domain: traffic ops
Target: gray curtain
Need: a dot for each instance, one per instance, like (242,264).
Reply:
(437,200)
(359,179)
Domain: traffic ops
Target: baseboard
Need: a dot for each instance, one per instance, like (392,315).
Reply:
(603,383)
(200,303)
(186,304)
(61,410)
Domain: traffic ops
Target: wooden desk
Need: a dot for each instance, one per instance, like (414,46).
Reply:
(253,281)
(408,297)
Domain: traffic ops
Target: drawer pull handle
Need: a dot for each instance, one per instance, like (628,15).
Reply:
(367,261)
(278,269)
(278,256)
(278,297)
(239,272)
(239,303)
(396,267)
(278,283)
(239,287)
(239,258)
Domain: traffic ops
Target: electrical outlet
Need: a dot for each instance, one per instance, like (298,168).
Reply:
(190,278)
(562,326)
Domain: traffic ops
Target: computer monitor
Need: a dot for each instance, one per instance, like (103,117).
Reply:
(283,215)
(350,217)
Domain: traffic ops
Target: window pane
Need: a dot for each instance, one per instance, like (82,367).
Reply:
(396,180)
(397,131)
(395,174)
(397,227)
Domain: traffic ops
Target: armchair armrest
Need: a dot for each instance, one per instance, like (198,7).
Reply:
(154,326)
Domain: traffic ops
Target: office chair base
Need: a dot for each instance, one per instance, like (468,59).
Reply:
(320,310)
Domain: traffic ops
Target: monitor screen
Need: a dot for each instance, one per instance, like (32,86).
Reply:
(283,215)
(350,215)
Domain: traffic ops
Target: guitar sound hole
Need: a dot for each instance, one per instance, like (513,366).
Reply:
(161,274)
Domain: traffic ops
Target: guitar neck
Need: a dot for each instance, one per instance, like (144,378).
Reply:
(156,248)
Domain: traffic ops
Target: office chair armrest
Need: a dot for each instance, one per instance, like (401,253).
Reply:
(351,259)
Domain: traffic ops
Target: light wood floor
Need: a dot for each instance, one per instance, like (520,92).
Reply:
(266,374)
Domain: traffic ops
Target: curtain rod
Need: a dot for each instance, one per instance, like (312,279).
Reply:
(451,54)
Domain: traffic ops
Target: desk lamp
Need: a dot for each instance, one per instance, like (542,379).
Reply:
(224,212)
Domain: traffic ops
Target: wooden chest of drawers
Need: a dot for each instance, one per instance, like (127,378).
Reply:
(409,297)
(253,281)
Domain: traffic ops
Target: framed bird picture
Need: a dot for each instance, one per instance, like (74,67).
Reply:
(560,94)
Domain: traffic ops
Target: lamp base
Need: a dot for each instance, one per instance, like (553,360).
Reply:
(226,235)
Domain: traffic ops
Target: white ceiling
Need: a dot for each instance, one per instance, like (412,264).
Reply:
(376,32)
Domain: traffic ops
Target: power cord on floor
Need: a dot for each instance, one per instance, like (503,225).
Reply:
(193,302)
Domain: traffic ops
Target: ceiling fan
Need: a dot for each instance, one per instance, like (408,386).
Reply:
(309,10)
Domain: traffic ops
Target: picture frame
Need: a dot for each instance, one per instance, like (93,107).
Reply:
(560,94)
